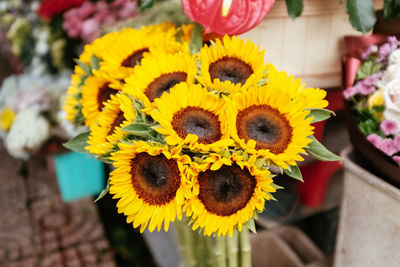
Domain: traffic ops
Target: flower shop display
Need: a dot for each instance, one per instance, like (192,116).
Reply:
(196,131)
(29,112)
(374,100)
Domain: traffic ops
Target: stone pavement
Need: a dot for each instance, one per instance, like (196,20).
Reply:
(37,229)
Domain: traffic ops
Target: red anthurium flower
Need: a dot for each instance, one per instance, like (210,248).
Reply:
(227,16)
(49,8)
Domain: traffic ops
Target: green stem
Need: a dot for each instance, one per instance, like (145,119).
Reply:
(220,251)
(184,233)
(233,243)
(196,42)
(245,248)
(211,261)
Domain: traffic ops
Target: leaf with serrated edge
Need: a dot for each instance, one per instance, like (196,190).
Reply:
(78,143)
(320,114)
(316,150)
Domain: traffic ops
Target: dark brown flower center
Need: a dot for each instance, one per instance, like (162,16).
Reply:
(266,125)
(104,94)
(117,121)
(198,121)
(227,190)
(230,69)
(155,178)
(164,83)
(135,58)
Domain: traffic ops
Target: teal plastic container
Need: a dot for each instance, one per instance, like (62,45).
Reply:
(78,175)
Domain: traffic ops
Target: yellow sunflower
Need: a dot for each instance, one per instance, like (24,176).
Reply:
(150,181)
(231,65)
(133,45)
(71,106)
(280,80)
(227,195)
(96,90)
(266,122)
(158,74)
(118,112)
(189,115)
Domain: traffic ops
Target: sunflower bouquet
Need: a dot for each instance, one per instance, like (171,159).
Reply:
(193,130)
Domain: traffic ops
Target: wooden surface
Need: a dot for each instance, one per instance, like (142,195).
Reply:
(309,47)
(38,229)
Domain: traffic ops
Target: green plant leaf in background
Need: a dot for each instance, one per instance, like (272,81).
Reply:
(78,143)
(294,8)
(367,69)
(320,114)
(391,9)
(145,4)
(294,172)
(316,150)
(361,14)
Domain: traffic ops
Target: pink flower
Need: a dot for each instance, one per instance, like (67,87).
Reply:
(397,141)
(91,29)
(349,92)
(367,90)
(397,159)
(86,9)
(375,139)
(388,147)
(389,127)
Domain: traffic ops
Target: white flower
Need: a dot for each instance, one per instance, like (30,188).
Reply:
(27,133)
(394,57)
(392,73)
(391,94)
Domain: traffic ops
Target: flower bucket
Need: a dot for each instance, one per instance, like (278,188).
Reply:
(78,175)
(377,159)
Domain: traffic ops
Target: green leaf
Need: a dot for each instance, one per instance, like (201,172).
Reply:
(78,143)
(251,225)
(85,67)
(94,63)
(294,172)
(316,150)
(103,192)
(294,8)
(367,69)
(145,4)
(276,187)
(320,114)
(361,15)
(196,42)
(135,127)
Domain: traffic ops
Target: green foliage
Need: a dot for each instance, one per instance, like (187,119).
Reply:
(104,191)
(78,143)
(316,150)
(361,15)
(146,4)
(197,39)
(368,118)
(391,9)
(251,225)
(320,114)
(367,69)
(294,8)
(294,172)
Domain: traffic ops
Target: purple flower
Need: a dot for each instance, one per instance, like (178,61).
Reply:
(389,127)
(349,92)
(375,139)
(393,40)
(369,51)
(388,147)
(367,90)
